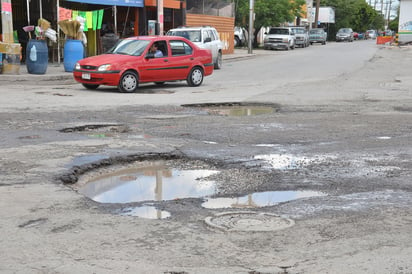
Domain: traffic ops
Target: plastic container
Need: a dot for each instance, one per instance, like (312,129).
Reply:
(73,52)
(37,56)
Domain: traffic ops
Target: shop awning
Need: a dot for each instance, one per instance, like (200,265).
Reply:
(127,3)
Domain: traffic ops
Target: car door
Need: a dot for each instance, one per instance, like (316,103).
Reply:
(208,43)
(181,59)
(153,68)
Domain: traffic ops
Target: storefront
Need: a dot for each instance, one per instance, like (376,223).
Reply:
(123,18)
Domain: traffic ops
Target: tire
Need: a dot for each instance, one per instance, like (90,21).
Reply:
(237,42)
(218,63)
(129,82)
(195,77)
(324,43)
(90,86)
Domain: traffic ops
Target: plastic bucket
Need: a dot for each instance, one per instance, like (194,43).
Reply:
(37,56)
(73,52)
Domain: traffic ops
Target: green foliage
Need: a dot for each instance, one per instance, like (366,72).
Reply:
(355,14)
(394,24)
(268,12)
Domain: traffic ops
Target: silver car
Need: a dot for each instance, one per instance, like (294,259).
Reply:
(301,36)
(345,34)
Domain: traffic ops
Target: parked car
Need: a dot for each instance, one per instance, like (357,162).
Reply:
(344,34)
(371,34)
(131,62)
(205,37)
(317,35)
(279,38)
(301,36)
(241,36)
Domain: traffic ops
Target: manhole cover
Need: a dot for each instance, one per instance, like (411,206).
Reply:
(248,221)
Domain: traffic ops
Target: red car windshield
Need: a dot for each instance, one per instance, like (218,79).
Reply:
(129,47)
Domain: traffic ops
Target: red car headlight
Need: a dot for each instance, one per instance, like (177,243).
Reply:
(105,67)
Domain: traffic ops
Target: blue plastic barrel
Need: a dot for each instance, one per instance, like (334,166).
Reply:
(37,56)
(73,52)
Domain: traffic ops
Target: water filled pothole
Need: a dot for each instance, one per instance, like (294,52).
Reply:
(149,183)
(240,110)
(259,199)
(236,109)
(145,211)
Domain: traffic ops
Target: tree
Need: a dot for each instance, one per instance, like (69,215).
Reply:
(269,12)
(355,14)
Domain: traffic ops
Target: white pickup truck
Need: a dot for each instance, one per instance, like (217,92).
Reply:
(279,38)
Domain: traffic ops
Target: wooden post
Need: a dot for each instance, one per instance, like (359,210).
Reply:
(7,21)
(9,51)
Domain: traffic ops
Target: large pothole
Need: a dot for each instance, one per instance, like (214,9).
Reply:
(236,108)
(139,186)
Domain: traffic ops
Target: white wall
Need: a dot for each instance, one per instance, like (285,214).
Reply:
(405,21)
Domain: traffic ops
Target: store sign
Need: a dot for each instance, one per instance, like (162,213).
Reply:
(127,3)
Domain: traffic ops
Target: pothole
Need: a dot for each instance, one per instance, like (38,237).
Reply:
(152,182)
(259,199)
(118,128)
(145,211)
(236,109)
(245,221)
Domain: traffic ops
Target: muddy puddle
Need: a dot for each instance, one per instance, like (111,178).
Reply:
(150,183)
(259,199)
(236,109)
(147,212)
(240,110)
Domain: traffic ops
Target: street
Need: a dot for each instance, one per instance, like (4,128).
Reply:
(304,156)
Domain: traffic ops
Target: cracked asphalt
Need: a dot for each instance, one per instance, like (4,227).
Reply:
(355,148)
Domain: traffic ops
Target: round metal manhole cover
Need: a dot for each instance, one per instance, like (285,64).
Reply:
(248,221)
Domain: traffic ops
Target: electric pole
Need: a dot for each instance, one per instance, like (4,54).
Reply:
(251,32)
(316,14)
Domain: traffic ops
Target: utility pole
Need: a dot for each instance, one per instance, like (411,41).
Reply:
(316,14)
(389,11)
(251,32)
(160,16)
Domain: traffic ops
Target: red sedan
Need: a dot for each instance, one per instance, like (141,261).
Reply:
(135,60)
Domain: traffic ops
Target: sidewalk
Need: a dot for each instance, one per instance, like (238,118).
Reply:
(56,75)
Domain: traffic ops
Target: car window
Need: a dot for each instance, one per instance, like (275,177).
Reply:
(162,46)
(206,35)
(180,48)
(130,47)
(278,31)
(192,35)
(299,31)
(213,35)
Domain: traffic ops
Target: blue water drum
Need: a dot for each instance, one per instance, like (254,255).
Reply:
(73,52)
(37,56)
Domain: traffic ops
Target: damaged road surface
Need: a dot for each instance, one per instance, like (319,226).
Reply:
(246,174)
